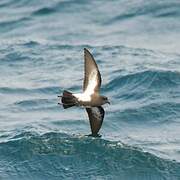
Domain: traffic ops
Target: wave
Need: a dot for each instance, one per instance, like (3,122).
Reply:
(7,26)
(37,48)
(150,8)
(150,96)
(35,105)
(152,112)
(46,90)
(147,80)
(58,155)
(44,11)
(64,6)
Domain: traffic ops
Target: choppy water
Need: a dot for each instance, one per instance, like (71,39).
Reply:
(136,45)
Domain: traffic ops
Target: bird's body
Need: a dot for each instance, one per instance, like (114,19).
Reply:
(85,100)
(90,98)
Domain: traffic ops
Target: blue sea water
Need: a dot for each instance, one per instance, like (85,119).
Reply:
(137,48)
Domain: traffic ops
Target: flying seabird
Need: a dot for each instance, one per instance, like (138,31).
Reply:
(90,98)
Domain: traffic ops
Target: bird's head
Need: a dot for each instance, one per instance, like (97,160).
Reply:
(105,100)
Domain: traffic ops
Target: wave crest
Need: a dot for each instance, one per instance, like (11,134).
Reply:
(69,156)
(147,80)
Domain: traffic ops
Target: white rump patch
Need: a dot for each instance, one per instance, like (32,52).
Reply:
(82,97)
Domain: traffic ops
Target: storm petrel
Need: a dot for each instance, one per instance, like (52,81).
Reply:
(90,98)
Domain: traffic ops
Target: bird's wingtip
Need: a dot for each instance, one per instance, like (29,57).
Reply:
(94,135)
(86,50)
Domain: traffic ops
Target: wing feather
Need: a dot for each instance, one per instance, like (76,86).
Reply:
(92,76)
(96,116)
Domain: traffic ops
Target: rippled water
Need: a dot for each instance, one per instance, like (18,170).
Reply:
(136,45)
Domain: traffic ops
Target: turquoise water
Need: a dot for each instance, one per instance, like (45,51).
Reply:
(136,45)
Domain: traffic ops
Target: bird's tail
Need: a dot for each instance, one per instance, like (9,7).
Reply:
(68,100)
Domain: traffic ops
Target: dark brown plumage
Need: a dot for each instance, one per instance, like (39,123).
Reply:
(89,66)
(90,98)
(96,116)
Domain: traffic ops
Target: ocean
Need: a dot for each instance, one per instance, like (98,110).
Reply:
(136,45)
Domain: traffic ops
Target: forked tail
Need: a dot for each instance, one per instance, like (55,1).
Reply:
(68,100)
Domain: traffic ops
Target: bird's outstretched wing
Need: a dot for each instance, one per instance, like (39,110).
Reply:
(92,76)
(96,116)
